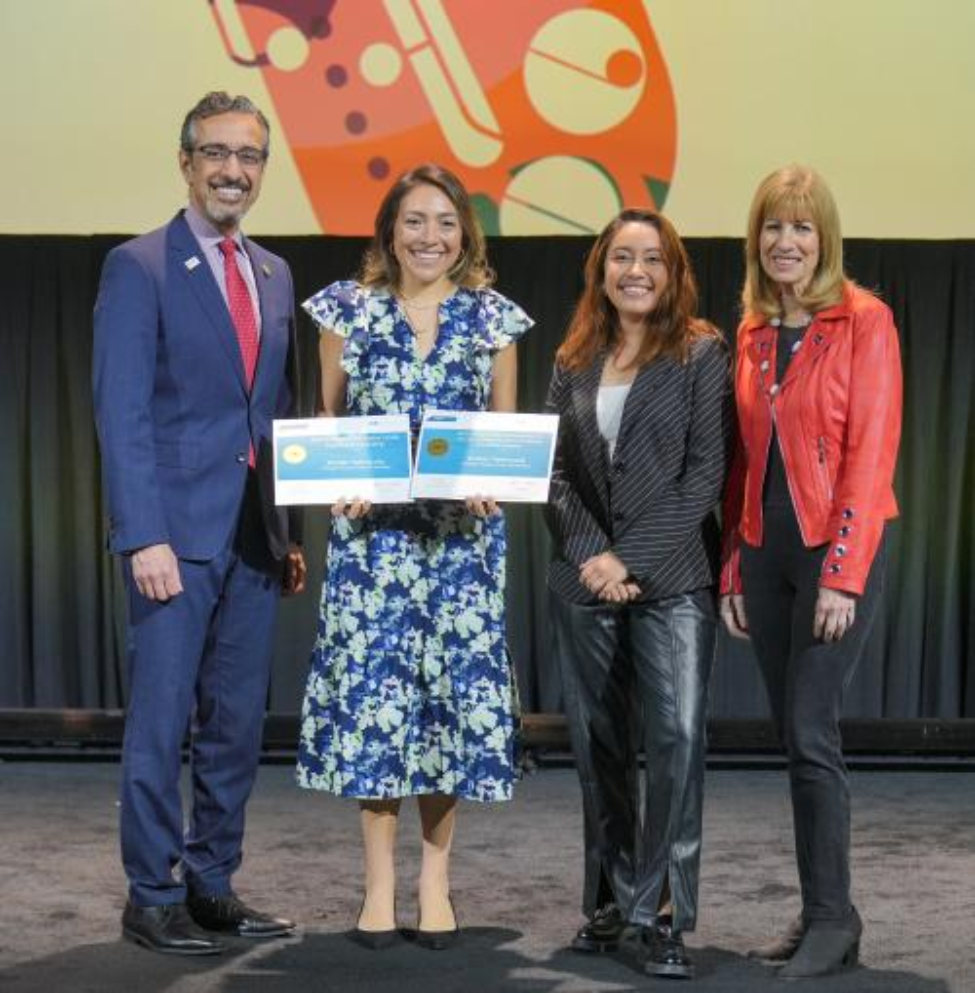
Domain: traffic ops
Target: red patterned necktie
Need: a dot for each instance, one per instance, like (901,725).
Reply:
(242,314)
(241,309)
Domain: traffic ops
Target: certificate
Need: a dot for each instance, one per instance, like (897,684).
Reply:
(505,456)
(324,459)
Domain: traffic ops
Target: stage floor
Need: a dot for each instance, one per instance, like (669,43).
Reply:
(516,882)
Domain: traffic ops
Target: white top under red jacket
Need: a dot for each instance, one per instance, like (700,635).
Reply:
(837,413)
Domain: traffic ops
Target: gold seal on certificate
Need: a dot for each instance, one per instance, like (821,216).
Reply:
(464,453)
(324,459)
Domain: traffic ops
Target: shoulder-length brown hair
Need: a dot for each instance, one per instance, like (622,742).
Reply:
(794,193)
(380,267)
(672,325)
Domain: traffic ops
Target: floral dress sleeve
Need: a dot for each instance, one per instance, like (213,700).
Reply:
(342,308)
(502,321)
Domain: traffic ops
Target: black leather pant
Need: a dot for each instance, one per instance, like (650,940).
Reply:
(638,675)
(805,680)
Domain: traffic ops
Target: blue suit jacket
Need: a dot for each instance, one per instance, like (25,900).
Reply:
(172,409)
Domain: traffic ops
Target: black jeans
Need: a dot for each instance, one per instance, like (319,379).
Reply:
(806,679)
(631,675)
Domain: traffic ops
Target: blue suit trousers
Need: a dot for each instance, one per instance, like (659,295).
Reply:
(199,663)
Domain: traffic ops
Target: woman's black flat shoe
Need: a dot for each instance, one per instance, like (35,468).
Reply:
(374,940)
(438,941)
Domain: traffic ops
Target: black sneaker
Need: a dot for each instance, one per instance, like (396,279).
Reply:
(664,951)
(603,931)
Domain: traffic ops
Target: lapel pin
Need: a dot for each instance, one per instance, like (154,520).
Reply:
(266,269)
(191,263)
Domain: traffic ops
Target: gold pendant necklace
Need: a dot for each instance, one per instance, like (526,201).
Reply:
(409,304)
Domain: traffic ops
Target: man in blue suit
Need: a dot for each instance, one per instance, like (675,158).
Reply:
(195,355)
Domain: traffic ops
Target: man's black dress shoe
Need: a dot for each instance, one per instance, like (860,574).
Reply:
(168,929)
(229,915)
(602,933)
(664,951)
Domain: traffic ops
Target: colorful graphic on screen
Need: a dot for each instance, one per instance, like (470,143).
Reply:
(554,113)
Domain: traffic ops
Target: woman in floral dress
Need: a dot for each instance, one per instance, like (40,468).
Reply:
(410,692)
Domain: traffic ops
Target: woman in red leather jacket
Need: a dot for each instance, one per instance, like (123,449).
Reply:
(818,390)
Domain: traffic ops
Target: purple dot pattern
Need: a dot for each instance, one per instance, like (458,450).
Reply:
(355,122)
(336,76)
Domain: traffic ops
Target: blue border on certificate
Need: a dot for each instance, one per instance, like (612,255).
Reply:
(376,455)
(464,452)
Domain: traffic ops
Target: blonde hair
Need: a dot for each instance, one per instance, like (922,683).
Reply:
(794,193)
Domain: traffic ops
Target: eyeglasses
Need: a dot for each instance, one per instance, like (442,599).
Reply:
(248,157)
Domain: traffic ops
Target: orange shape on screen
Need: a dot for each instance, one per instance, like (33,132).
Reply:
(554,113)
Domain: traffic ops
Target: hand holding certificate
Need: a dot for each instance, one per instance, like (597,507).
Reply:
(331,459)
(460,454)
(506,456)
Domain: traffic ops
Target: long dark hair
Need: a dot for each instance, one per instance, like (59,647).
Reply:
(380,266)
(672,326)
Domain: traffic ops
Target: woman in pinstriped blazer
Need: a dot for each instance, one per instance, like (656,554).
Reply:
(642,387)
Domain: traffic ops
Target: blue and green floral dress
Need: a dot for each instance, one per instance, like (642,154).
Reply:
(410,691)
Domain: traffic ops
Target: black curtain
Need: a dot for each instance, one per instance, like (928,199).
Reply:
(62,625)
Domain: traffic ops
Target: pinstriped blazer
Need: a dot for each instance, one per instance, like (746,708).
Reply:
(654,504)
